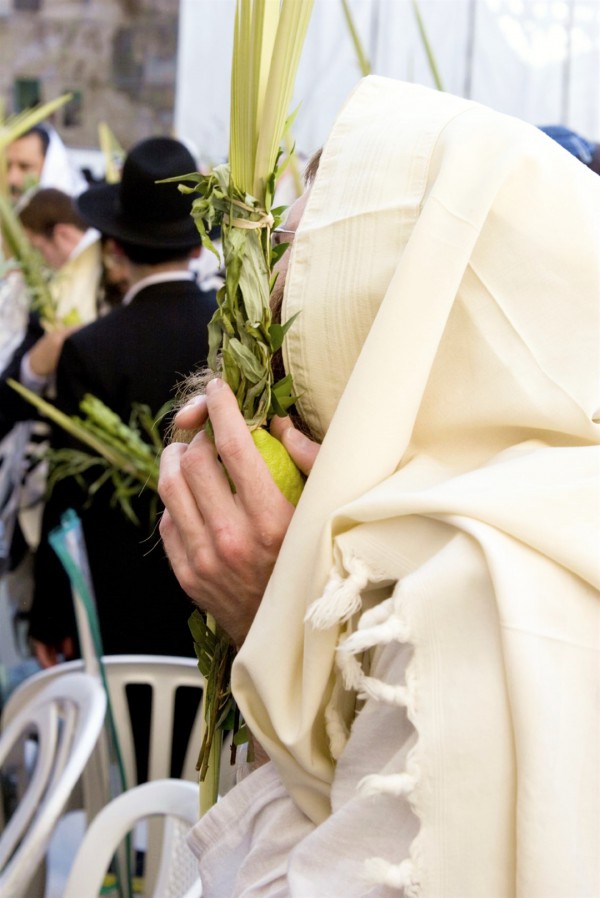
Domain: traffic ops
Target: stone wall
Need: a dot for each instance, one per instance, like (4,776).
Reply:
(118,56)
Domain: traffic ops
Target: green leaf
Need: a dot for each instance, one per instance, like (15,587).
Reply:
(278,331)
(215,332)
(16,125)
(427,46)
(241,736)
(363,63)
(276,254)
(32,266)
(248,363)
(254,281)
(282,397)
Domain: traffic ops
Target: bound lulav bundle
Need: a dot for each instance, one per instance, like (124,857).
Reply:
(238,198)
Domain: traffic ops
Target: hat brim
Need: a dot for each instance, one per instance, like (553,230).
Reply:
(100,208)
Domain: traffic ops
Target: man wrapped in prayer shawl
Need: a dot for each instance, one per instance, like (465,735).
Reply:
(422,670)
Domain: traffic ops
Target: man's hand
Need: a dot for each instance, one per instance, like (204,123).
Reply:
(223,544)
(44,355)
(303,450)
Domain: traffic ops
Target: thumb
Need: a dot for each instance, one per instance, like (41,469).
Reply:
(301,448)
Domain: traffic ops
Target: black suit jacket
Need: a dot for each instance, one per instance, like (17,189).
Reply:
(136,353)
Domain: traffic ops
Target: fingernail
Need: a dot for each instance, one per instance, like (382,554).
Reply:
(213,385)
(191,403)
(294,436)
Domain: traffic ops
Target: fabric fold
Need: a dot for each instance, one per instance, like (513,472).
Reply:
(447,275)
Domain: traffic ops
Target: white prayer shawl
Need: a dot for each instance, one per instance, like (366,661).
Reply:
(76,284)
(446,273)
(59,169)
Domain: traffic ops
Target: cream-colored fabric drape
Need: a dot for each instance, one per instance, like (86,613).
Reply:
(446,271)
(75,285)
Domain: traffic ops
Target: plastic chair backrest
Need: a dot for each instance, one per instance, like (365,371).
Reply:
(178,877)
(66,718)
(164,674)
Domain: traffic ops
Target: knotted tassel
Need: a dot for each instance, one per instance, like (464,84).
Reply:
(393,629)
(342,597)
(397,876)
(369,687)
(377,614)
(351,670)
(388,693)
(400,784)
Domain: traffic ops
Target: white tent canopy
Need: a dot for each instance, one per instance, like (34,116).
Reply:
(536,59)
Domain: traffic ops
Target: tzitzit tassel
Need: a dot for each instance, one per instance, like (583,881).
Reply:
(376,615)
(399,784)
(387,693)
(369,687)
(391,630)
(351,670)
(342,597)
(397,876)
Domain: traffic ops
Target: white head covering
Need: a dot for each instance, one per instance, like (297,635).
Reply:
(446,272)
(59,170)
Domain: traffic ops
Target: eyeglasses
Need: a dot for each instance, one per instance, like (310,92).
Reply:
(282,235)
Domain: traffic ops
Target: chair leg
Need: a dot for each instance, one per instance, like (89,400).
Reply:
(37,886)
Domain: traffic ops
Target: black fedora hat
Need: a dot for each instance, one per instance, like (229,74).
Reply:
(140,211)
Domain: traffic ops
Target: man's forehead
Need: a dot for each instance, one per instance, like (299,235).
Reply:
(28,147)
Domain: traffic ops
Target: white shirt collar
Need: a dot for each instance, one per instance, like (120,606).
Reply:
(162,278)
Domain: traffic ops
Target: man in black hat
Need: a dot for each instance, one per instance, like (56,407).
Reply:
(136,354)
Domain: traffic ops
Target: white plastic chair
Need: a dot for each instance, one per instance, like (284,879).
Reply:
(66,718)
(164,674)
(173,799)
